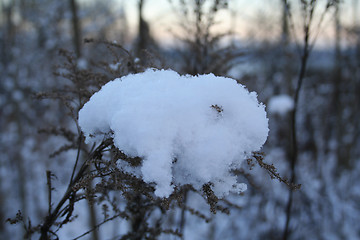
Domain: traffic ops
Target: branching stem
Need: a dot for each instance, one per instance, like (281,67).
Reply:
(54,215)
(294,141)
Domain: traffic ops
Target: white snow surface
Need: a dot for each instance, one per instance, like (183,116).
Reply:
(169,121)
(280,104)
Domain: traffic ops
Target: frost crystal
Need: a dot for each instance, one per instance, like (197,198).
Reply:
(188,129)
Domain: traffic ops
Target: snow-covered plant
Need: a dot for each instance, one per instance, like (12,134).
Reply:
(188,130)
(158,139)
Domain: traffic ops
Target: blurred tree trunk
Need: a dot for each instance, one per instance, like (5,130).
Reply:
(17,157)
(201,40)
(288,61)
(92,213)
(19,185)
(76,28)
(2,215)
(20,161)
(144,40)
(143,28)
(357,74)
(285,22)
(9,32)
(339,127)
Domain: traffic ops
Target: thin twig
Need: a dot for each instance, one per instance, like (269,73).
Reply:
(182,218)
(98,225)
(77,158)
(308,18)
(54,215)
(48,178)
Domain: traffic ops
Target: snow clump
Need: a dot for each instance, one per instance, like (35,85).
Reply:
(187,129)
(281,104)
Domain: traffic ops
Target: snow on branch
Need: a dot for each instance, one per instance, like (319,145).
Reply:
(186,129)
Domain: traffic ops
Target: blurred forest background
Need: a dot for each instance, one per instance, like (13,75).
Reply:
(259,43)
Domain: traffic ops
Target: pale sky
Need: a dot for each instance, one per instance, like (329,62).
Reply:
(162,16)
(256,18)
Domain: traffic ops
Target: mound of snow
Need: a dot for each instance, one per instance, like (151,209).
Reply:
(188,129)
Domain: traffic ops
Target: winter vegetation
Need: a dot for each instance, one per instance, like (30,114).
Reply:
(231,119)
(189,130)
